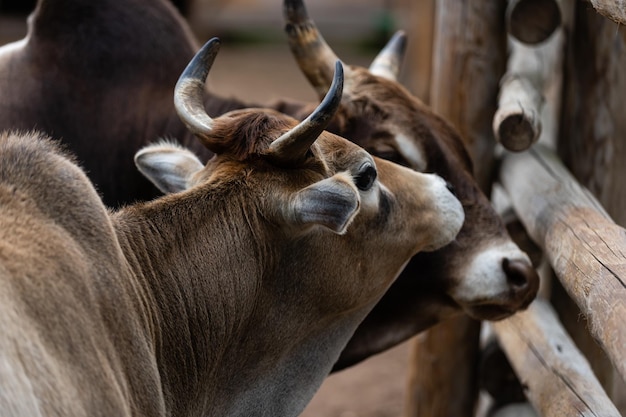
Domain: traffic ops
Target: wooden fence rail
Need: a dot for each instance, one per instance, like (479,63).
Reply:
(557,378)
(586,249)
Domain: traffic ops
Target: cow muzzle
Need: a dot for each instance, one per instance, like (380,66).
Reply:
(498,282)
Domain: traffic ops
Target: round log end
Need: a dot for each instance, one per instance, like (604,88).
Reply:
(517,133)
(533,21)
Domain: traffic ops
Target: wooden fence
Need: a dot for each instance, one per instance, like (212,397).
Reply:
(536,87)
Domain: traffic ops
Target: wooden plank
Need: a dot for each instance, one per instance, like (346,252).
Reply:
(586,249)
(557,378)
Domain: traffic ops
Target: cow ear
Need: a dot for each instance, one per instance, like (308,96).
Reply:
(167,166)
(332,203)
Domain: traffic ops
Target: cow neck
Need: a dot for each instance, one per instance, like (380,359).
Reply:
(172,245)
(221,350)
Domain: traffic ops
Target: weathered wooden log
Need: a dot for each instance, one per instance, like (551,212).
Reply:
(557,378)
(613,9)
(518,122)
(533,21)
(469,59)
(591,144)
(586,249)
(420,31)
(442,380)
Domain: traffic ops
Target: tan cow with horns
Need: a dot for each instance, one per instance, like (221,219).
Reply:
(231,297)
(99,77)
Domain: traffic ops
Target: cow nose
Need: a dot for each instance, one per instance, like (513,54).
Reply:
(520,275)
(450,187)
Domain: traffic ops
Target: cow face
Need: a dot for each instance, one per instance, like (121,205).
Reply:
(335,184)
(482,273)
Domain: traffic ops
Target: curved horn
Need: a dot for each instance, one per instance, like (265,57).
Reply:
(294,145)
(315,58)
(189,93)
(388,61)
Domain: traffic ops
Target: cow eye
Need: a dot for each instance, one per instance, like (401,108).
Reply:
(366,177)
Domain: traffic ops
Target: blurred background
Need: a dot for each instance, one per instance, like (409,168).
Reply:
(255,64)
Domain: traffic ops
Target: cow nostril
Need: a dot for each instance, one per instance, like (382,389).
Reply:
(518,273)
(450,187)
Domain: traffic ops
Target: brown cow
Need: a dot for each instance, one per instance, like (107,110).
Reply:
(106,90)
(100,76)
(232,297)
(482,273)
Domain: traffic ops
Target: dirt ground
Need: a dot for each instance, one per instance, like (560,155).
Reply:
(261,73)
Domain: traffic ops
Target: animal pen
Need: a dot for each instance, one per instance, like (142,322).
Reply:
(537,88)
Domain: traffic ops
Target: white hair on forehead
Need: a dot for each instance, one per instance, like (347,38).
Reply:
(411,151)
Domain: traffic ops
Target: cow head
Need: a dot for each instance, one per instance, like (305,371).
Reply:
(342,181)
(482,273)
(319,227)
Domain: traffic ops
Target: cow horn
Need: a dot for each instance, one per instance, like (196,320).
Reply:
(189,94)
(388,61)
(293,146)
(315,58)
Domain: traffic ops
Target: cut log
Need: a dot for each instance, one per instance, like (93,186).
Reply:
(518,122)
(557,378)
(586,249)
(533,21)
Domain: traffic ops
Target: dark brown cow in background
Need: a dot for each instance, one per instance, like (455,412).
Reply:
(482,273)
(232,297)
(101,76)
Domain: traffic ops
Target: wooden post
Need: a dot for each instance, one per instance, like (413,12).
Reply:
(557,378)
(586,249)
(468,62)
(442,380)
(420,46)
